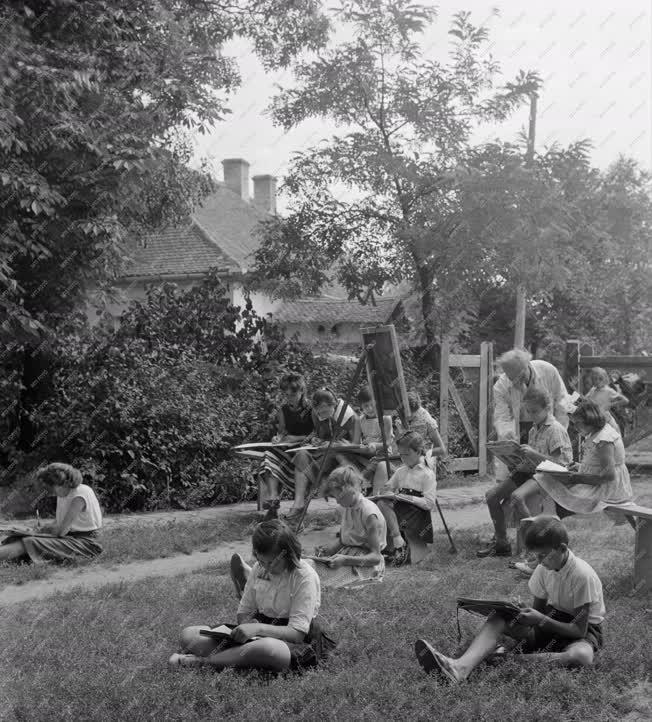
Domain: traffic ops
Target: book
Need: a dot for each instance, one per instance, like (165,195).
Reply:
(510,453)
(264,446)
(400,497)
(222,632)
(549,467)
(488,607)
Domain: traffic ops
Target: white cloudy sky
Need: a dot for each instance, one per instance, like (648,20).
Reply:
(595,57)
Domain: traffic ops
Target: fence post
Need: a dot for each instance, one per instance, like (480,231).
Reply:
(443,392)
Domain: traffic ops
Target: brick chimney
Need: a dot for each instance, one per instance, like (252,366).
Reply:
(236,176)
(265,193)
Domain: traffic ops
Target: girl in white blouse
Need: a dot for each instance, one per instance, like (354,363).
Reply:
(280,599)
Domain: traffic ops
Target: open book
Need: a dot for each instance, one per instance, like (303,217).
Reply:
(551,468)
(489,607)
(509,452)
(222,632)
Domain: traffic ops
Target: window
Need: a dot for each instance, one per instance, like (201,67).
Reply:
(321,329)
(335,330)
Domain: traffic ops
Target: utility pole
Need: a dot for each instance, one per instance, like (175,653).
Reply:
(521,291)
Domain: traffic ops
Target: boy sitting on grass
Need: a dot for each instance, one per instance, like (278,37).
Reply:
(562,628)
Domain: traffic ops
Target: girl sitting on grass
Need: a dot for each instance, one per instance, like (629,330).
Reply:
(355,558)
(280,599)
(74,535)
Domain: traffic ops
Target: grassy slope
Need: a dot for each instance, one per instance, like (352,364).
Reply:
(102,655)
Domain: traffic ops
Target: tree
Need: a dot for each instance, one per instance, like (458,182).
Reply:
(407,125)
(94,102)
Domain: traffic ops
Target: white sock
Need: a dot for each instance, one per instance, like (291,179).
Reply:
(398,542)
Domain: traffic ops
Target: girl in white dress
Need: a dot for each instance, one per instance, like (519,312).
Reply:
(601,478)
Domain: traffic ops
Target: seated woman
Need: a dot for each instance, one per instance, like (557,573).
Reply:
(355,558)
(601,478)
(295,424)
(415,486)
(74,535)
(423,423)
(326,409)
(279,604)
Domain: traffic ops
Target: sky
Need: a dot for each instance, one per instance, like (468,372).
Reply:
(595,58)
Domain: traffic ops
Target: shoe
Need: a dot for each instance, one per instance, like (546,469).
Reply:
(183,660)
(400,556)
(499,655)
(495,549)
(433,662)
(238,574)
(524,568)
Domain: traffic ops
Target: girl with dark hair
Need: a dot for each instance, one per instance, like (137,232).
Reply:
(326,410)
(601,478)
(74,535)
(278,628)
(294,424)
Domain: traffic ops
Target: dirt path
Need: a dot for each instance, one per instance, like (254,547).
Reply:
(67,580)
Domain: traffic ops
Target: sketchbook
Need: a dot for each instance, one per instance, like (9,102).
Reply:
(264,445)
(222,632)
(399,497)
(510,453)
(551,468)
(488,607)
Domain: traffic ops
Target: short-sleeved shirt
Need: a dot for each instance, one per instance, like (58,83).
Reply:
(418,477)
(294,595)
(550,436)
(573,586)
(328,429)
(90,519)
(354,523)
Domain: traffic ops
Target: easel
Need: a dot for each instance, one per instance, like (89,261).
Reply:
(368,359)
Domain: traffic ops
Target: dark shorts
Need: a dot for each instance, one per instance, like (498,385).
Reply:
(316,647)
(544,641)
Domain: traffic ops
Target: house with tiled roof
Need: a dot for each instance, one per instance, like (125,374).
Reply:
(219,234)
(335,322)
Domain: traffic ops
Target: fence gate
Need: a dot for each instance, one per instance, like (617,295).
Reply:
(470,386)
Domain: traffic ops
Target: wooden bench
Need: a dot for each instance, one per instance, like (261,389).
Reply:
(640,517)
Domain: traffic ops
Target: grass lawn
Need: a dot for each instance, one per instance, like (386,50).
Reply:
(102,655)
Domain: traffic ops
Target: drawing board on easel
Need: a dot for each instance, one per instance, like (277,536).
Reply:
(385,361)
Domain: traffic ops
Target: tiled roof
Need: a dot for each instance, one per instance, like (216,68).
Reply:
(230,223)
(323,310)
(220,233)
(178,251)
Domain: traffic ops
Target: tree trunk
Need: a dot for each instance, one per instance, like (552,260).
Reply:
(428,311)
(519,326)
(37,387)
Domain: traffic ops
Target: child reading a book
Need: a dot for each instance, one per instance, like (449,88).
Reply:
(411,499)
(278,611)
(563,627)
(376,471)
(601,478)
(295,424)
(354,559)
(74,535)
(326,409)
(547,439)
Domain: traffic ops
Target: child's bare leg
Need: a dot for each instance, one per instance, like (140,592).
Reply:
(302,462)
(481,647)
(192,642)
(578,654)
(520,497)
(12,551)
(269,654)
(393,526)
(380,478)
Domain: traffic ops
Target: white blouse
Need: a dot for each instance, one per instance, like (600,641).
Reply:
(294,595)
(90,518)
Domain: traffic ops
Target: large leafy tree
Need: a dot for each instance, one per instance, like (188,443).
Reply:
(95,98)
(379,202)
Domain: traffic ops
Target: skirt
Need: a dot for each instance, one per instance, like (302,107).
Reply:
(316,647)
(413,520)
(349,577)
(75,545)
